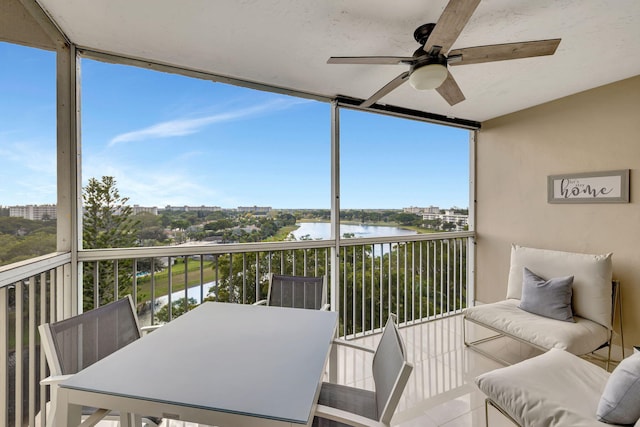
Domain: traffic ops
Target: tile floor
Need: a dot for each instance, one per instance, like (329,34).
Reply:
(441,391)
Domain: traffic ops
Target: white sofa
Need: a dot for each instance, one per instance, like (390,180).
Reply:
(560,389)
(591,303)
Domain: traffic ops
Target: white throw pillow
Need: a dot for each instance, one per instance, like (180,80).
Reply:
(620,401)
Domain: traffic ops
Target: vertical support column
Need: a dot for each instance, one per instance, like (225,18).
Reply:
(69,221)
(4,350)
(335,228)
(471,241)
(335,204)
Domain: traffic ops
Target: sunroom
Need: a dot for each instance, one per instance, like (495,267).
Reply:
(573,111)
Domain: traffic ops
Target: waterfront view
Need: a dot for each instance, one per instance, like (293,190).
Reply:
(243,276)
(305,230)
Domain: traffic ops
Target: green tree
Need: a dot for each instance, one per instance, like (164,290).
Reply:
(220,224)
(180,224)
(178,308)
(22,239)
(407,219)
(108,223)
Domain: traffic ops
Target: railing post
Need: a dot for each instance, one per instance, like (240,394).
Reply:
(4,353)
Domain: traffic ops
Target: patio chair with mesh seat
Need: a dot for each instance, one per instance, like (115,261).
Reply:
(297,292)
(73,344)
(340,405)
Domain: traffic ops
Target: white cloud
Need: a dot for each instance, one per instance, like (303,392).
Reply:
(182,127)
(36,156)
(146,187)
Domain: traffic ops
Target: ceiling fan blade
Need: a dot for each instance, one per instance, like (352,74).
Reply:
(450,24)
(371,60)
(502,52)
(450,91)
(386,89)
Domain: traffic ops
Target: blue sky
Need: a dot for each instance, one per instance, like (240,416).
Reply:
(170,139)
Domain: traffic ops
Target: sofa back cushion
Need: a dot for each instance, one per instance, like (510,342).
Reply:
(592,276)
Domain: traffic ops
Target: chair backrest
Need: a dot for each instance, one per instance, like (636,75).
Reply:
(592,276)
(390,371)
(72,344)
(297,291)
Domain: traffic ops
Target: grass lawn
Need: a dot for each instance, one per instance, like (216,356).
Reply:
(161,278)
(282,233)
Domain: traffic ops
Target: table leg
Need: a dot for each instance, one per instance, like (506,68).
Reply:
(125,419)
(67,414)
(130,420)
(333,363)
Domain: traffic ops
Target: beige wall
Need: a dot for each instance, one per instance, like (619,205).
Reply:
(596,130)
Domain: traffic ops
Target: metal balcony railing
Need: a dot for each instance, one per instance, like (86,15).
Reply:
(28,298)
(419,278)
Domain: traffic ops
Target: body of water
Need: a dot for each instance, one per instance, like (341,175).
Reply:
(322,230)
(192,292)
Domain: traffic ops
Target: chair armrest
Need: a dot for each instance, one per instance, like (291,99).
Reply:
(54,379)
(149,328)
(353,345)
(261,302)
(325,307)
(350,418)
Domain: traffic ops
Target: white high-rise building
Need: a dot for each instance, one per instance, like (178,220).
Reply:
(34,212)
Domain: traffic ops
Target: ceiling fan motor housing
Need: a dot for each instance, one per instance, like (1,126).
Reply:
(422,33)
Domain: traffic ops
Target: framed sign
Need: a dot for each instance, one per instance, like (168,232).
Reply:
(590,187)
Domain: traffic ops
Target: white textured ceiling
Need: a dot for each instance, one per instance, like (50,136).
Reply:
(286,43)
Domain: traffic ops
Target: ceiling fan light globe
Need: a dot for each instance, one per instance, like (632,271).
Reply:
(428,77)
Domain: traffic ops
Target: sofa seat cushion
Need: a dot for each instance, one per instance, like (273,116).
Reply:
(553,389)
(581,337)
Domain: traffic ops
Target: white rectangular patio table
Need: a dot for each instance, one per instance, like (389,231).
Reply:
(220,364)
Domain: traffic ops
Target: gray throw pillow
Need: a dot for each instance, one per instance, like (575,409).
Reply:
(620,401)
(548,298)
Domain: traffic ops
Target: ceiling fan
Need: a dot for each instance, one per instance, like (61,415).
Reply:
(428,65)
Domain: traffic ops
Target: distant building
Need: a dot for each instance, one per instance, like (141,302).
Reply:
(448,216)
(203,208)
(256,210)
(34,212)
(421,211)
(192,208)
(153,210)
